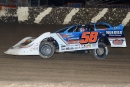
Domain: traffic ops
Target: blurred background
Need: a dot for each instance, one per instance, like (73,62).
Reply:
(67,3)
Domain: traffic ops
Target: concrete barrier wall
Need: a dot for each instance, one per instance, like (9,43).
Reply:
(31,15)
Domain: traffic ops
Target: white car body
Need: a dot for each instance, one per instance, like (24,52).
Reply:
(33,47)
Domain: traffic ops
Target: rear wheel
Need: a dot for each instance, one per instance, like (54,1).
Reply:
(46,49)
(101,52)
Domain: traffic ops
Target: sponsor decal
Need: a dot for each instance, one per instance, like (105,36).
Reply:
(67,48)
(73,45)
(74,38)
(113,32)
(117,42)
(69,37)
(62,48)
(33,48)
(71,48)
(83,46)
(37,44)
(76,45)
(88,45)
(69,34)
(103,29)
(65,37)
(73,41)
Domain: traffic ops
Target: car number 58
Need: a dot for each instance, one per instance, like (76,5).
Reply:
(89,37)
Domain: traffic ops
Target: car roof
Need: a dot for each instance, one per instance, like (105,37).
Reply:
(79,25)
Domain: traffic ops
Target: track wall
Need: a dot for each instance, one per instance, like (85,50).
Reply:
(35,15)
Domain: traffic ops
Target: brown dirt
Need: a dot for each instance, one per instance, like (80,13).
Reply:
(67,70)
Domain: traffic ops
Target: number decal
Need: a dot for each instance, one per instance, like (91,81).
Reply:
(89,37)
(85,37)
(93,37)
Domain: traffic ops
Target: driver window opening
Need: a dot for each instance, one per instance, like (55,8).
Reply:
(71,29)
(77,29)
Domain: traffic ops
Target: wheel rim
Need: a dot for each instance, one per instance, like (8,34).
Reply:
(100,51)
(46,50)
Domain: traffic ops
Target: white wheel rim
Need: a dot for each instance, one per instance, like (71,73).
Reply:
(100,51)
(46,49)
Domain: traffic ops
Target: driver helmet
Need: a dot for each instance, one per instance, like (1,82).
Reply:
(82,29)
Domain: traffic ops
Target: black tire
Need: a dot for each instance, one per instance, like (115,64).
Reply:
(97,52)
(46,49)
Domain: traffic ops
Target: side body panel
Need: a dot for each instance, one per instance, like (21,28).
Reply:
(115,35)
(29,49)
(71,42)
(64,44)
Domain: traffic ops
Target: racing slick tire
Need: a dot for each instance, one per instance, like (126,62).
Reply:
(101,52)
(46,49)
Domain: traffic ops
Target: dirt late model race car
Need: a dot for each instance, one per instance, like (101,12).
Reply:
(90,38)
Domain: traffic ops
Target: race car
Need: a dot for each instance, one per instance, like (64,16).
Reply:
(90,38)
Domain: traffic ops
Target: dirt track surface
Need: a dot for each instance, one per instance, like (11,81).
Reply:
(62,70)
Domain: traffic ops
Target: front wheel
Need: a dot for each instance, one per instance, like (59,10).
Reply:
(101,52)
(46,49)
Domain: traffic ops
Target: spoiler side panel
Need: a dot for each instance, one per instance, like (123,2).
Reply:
(117,37)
